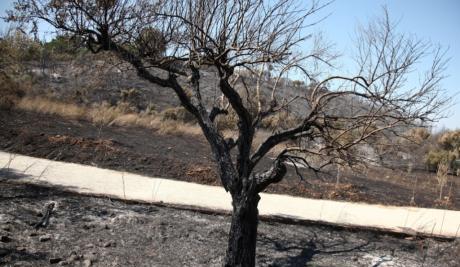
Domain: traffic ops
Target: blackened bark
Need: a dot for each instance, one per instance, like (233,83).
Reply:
(274,175)
(241,249)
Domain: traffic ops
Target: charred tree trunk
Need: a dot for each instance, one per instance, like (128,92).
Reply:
(241,249)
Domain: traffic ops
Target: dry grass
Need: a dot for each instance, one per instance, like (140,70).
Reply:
(104,114)
(45,106)
(227,122)
(171,121)
(441,177)
(178,114)
(174,127)
(11,90)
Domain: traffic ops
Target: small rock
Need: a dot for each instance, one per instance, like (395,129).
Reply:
(44,238)
(109,244)
(6,228)
(21,264)
(5,239)
(33,234)
(63,263)
(90,256)
(88,226)
(55,260)
(89,245)
(87,263)
(72,258)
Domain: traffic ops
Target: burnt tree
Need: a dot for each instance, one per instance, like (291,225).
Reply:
(251,46)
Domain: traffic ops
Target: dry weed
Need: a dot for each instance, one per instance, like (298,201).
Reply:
(46,106)
(104,114)
(441,177)
(202,174)
(98,144)
(178,114)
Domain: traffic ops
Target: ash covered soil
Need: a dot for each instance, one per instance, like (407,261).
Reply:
(91,231)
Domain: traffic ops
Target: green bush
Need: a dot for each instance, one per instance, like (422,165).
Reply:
(435,157)
(17,46)
(450,140)
(10,92)
(63,47)
(446,149)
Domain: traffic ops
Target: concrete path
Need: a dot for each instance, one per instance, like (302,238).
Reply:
(97,181)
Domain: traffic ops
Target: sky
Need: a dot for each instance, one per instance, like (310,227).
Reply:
(437,21)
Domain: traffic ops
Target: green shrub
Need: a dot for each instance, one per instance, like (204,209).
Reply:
(446,149)
(450,141)
(10,92)
(63,47)
(436,157)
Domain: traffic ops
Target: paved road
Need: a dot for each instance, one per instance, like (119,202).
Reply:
(97,181)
